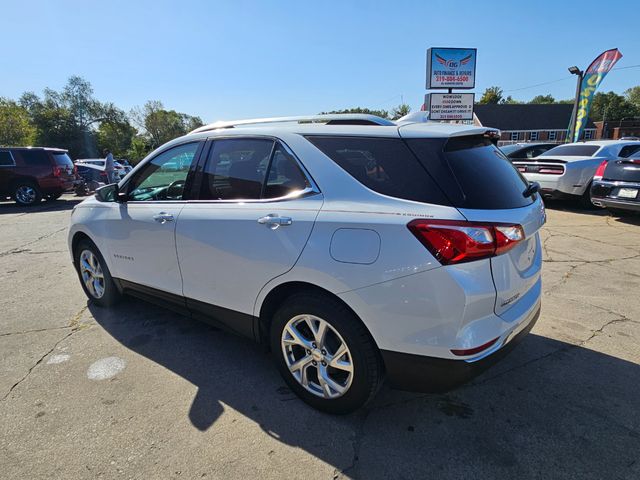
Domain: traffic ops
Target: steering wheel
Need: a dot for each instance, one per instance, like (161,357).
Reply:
(175,188)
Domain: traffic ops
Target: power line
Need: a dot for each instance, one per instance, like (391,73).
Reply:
(561,79)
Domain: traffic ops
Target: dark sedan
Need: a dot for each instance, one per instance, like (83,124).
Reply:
(522,151)
(616,185)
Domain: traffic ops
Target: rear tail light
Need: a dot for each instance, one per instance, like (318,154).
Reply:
(473,351)
(600,171)
(453,241)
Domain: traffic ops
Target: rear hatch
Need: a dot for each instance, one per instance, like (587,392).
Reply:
(486,188)
(623,170)
(63,167)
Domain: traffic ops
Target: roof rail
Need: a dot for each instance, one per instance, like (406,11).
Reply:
(329,119)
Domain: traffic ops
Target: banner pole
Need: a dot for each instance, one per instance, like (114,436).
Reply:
(574,115)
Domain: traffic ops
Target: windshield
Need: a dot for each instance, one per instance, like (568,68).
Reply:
(572,151)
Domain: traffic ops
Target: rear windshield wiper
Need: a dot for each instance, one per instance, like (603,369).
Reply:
(531,189)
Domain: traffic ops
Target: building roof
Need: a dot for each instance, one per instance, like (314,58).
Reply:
(526,116)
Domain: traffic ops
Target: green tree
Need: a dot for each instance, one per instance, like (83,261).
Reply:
(612,106)
(509,101)
(138,149)
(15,126)
(377,113)
(400,111)
(543,99)
(633,95)
(491,95)
(68,118)
(159,125)
(117,136)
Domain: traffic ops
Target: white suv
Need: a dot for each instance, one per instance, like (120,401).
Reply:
(352,246)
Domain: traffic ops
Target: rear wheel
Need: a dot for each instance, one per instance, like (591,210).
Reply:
(53,196)
(585,199)
(27,193)
(94,275)
(325,354)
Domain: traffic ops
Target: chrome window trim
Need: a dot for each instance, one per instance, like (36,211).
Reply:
(618,183)
(12,159)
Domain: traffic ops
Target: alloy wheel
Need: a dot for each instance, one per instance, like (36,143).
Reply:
(317,356)
(26,194)
(92,274)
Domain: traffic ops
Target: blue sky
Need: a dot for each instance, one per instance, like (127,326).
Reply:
(239,59)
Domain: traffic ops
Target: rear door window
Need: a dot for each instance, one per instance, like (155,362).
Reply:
(472,172)
(6,160)
(385,165)
(35,158)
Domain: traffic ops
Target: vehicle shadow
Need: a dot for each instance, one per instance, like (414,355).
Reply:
(548,410)
(574,206)
(64,203)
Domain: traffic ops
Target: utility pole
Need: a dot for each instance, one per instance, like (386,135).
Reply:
(574,117)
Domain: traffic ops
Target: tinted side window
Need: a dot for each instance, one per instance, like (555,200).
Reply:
(285,176)
(236,169)
(385,165)
(473,172)
(6,160)
(35,158)
(165,176)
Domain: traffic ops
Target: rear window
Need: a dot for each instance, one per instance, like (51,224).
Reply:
(473,172)
(507,149)
(62,159)
(385,165)
(572,151)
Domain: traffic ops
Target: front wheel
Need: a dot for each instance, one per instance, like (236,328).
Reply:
(94,275)
(27,194)
(325,354)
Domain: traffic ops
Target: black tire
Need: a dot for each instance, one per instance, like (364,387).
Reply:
(26,193)
(617,212)
(367,364)
(53,196)
(111,293)
(585,199)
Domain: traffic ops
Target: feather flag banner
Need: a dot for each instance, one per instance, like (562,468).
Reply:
(592,78)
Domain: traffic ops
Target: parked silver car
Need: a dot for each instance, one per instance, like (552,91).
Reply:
(566,171)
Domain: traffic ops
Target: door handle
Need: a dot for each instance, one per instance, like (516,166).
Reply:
(274,221)
(163,218)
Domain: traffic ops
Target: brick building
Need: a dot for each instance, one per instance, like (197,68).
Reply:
(616,129)
(529,122)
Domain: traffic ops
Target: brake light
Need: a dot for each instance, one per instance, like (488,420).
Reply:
(57,171)
(600,171)
(454,241)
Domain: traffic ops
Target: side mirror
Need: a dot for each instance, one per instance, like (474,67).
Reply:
(111,193)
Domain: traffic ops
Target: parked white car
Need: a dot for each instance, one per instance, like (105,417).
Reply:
(120,169)
(353,246)
(567,170)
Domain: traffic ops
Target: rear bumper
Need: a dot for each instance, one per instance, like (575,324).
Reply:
(428,374)
(631,205)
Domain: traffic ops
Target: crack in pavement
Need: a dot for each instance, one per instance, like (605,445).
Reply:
(21,248)
(37,330)
(74,325)
(356,443)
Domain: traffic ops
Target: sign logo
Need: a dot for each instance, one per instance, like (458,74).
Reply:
(453,63)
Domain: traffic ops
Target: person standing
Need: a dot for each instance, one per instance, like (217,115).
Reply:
(109,167)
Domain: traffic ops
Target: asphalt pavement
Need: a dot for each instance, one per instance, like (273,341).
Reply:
(142,393)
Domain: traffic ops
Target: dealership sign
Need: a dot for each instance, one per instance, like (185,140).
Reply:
(451,68)
(449,106)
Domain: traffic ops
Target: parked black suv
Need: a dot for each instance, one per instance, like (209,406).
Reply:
(29,174)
